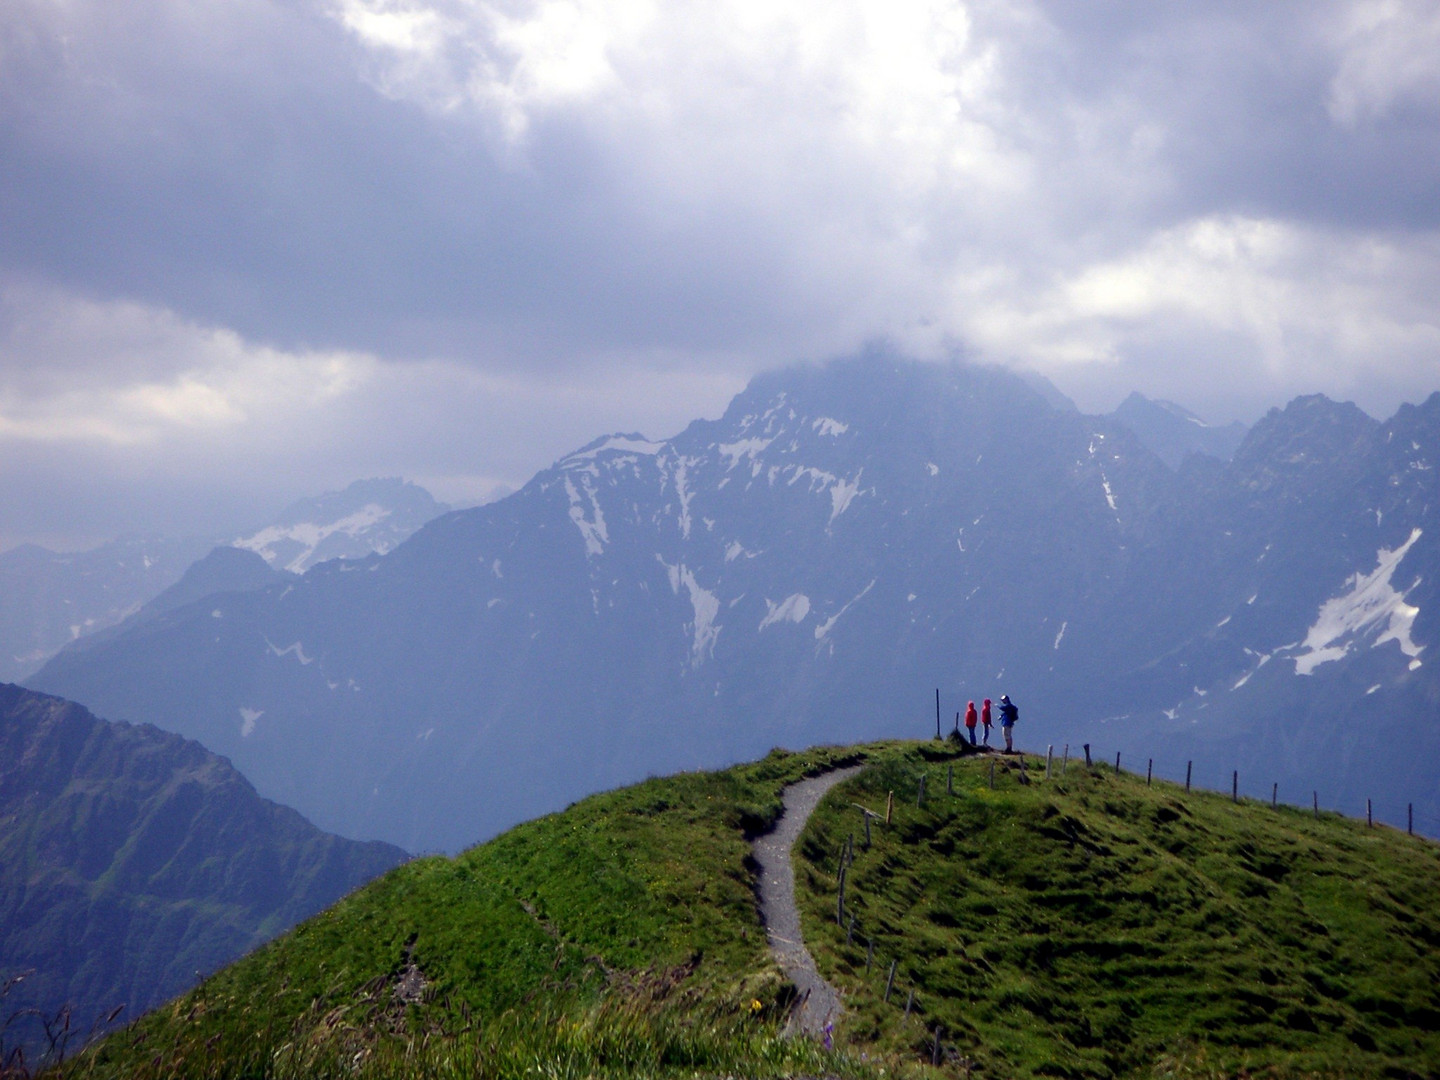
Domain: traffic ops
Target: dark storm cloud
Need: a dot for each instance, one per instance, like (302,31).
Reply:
(320,238)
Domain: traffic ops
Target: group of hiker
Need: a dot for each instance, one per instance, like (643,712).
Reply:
(1008,715)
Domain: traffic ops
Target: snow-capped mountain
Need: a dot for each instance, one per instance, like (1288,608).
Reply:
(369,516)
(809,567)
(49,599)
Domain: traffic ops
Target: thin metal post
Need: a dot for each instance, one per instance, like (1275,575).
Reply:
(1149,769)
(890,981)
(1410,819)
(937,712)
(1369,817)
(1274,795)
(1235,786)
(1049,754)
(1117,762)
(1187,776)
(909,1003)
(1315,795)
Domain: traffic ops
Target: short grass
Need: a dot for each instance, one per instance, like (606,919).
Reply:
(1084,927)
(1094,926)
(619,937)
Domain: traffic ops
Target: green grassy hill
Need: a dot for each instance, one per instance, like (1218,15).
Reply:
(1089,926)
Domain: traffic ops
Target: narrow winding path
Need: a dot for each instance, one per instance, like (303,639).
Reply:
(819,1002)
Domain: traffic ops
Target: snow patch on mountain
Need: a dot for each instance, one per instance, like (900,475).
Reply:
(824,628)
(309,535)
(746,448)
(842,494)
(794,608)
(1370,604)
(626,444)
(705,605)
(592,530)
(247,721)
(826,426)
(297,649)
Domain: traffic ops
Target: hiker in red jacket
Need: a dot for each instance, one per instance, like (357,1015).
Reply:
(985,719)
(970,721)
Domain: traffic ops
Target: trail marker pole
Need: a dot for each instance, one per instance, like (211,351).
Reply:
(1235,786)
(1149,769)
(937,712)
(890,981)
(992,775)
(1188,764)
(1369,817)
(1049,753)
(1274,794)
(1117,762)
(1087,755)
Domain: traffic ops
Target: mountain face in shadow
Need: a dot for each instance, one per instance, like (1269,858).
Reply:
(132,860)
(809,568)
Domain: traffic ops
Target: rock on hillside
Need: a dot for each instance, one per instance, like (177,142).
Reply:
(132,859)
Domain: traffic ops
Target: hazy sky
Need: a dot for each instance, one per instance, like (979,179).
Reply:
(253,249)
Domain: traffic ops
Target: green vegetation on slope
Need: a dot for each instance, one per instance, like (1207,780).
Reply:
(1090,927)
(1097,926)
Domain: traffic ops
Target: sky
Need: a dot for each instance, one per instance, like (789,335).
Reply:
(252,250)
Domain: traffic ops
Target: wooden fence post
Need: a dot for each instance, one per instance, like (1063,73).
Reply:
(1274,794)
(1369,817)
(840,896)
(867,832)
(890,981)
(1087,755)
(869,953)
(935,1054)
(889,806)
(1187,776)
(850,929)
(1315,795)
(909,1003)
(1235,786)
(1065,761)
(1410,819)
(1117,762)
(1049,754)
(1149,769)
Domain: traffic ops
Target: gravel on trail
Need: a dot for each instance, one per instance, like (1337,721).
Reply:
(819,1003)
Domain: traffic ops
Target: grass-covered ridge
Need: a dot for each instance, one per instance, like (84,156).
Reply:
(1097,926)
(1090,927)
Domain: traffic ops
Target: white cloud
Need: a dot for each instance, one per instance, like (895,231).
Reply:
(1388,55)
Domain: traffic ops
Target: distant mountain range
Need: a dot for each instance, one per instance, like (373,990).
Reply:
(48,599)
(809,568)
(132,860)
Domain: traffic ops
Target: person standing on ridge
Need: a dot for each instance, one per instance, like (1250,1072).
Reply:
(1008,715)
(985,719)
(970,721)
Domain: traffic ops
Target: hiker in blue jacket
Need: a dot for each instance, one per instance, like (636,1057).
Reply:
(1008,715)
